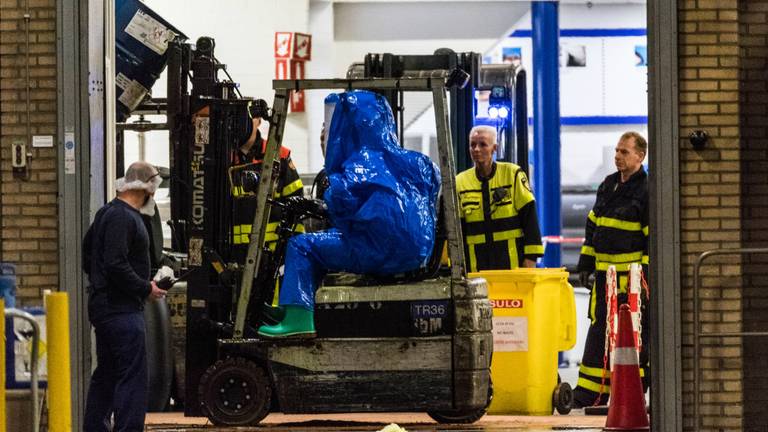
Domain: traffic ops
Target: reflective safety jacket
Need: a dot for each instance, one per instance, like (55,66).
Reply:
(244,207)
(617,227)
(498,218)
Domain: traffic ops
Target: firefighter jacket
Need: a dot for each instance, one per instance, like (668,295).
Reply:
(244,205)
(498,218)
(617,227)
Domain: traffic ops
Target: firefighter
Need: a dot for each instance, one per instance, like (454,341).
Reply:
(246,164)
(498,211)
(616,234)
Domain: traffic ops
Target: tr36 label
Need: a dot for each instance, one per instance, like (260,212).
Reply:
(429,317)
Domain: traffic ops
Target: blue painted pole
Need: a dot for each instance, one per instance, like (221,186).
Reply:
(546,123)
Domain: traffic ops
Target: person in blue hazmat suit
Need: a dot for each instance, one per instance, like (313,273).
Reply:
(381,201)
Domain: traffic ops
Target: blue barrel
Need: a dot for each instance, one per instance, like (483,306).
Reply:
(8,284)
(141,42)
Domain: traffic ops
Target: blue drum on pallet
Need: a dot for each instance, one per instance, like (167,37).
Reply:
(141,41)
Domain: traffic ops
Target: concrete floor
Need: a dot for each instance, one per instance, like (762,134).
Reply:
(576,421)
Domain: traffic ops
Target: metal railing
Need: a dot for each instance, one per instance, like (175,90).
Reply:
(697,334)
(17,313)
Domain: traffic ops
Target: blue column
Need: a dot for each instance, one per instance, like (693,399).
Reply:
(546,123)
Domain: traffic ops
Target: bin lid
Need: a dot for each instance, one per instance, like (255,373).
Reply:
(522,274)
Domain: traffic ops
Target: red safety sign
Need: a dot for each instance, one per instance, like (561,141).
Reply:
(302,46)
(507,303)
(281,68)
(283,47)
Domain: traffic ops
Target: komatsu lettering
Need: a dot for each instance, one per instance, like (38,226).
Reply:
(198,182)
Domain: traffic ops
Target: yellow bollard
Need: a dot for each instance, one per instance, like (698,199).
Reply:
(59,394)
(2,368)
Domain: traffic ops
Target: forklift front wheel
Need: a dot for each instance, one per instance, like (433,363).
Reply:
(235,392)
(463,416)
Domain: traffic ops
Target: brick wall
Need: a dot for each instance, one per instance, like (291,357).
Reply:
(710,215)
(753,41)
(29,210)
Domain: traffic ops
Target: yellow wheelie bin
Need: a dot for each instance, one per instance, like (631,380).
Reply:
(534,317)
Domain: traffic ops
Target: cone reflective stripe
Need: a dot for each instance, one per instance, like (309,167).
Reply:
(626,410)
(611,302)
(635,300)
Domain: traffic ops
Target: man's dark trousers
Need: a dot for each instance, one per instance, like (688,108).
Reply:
(122,366)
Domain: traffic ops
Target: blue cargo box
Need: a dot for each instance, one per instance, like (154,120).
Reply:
(141,42)
(18,351)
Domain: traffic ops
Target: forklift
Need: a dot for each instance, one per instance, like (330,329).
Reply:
(408,343)
(414,342)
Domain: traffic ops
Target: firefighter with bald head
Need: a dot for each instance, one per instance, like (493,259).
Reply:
(497,208)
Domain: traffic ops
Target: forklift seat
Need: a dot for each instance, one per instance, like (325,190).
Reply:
(429,271)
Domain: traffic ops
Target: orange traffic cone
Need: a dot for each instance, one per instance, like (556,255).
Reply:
(626,410)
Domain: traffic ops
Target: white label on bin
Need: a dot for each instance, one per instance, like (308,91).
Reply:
(22,350)
(132,95)
(510,334)
(122,81)
(150,32)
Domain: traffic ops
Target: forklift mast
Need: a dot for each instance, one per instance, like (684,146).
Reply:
(206,121)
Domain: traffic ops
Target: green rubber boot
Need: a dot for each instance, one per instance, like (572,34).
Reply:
(298,323)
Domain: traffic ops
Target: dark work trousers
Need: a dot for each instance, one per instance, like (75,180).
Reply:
(119,383)
(591,370)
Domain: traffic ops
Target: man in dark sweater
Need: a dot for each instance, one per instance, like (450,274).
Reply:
(116,259)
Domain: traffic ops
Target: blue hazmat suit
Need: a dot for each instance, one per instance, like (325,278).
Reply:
(381,202)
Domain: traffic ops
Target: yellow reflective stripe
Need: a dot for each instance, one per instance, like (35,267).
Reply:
(512,251)
(276,297)
(623,284)
(293,187)
(619,258)
(299,228)
(645,260)
(621,267)
(604,221)
(236,229)
(533,250)
(476,239)
(270,237)
(593,386)
(594,372)
(588,250)
(506,235)
(246,229)
(592,304)
(645,230)
(591,216)
(472,259)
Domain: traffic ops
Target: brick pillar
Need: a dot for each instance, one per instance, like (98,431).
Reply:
(710,213)
(753,40)
(29,207)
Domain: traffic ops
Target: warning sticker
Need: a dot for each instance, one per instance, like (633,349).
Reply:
(133,94)
(510,334)
(150,32)
(122,81)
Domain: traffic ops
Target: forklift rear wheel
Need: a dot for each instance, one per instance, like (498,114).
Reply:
(235,392)
(562,398)
(463,416)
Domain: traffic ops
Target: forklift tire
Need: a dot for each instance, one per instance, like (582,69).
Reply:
(562,398)
(463,416)
(235,392)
